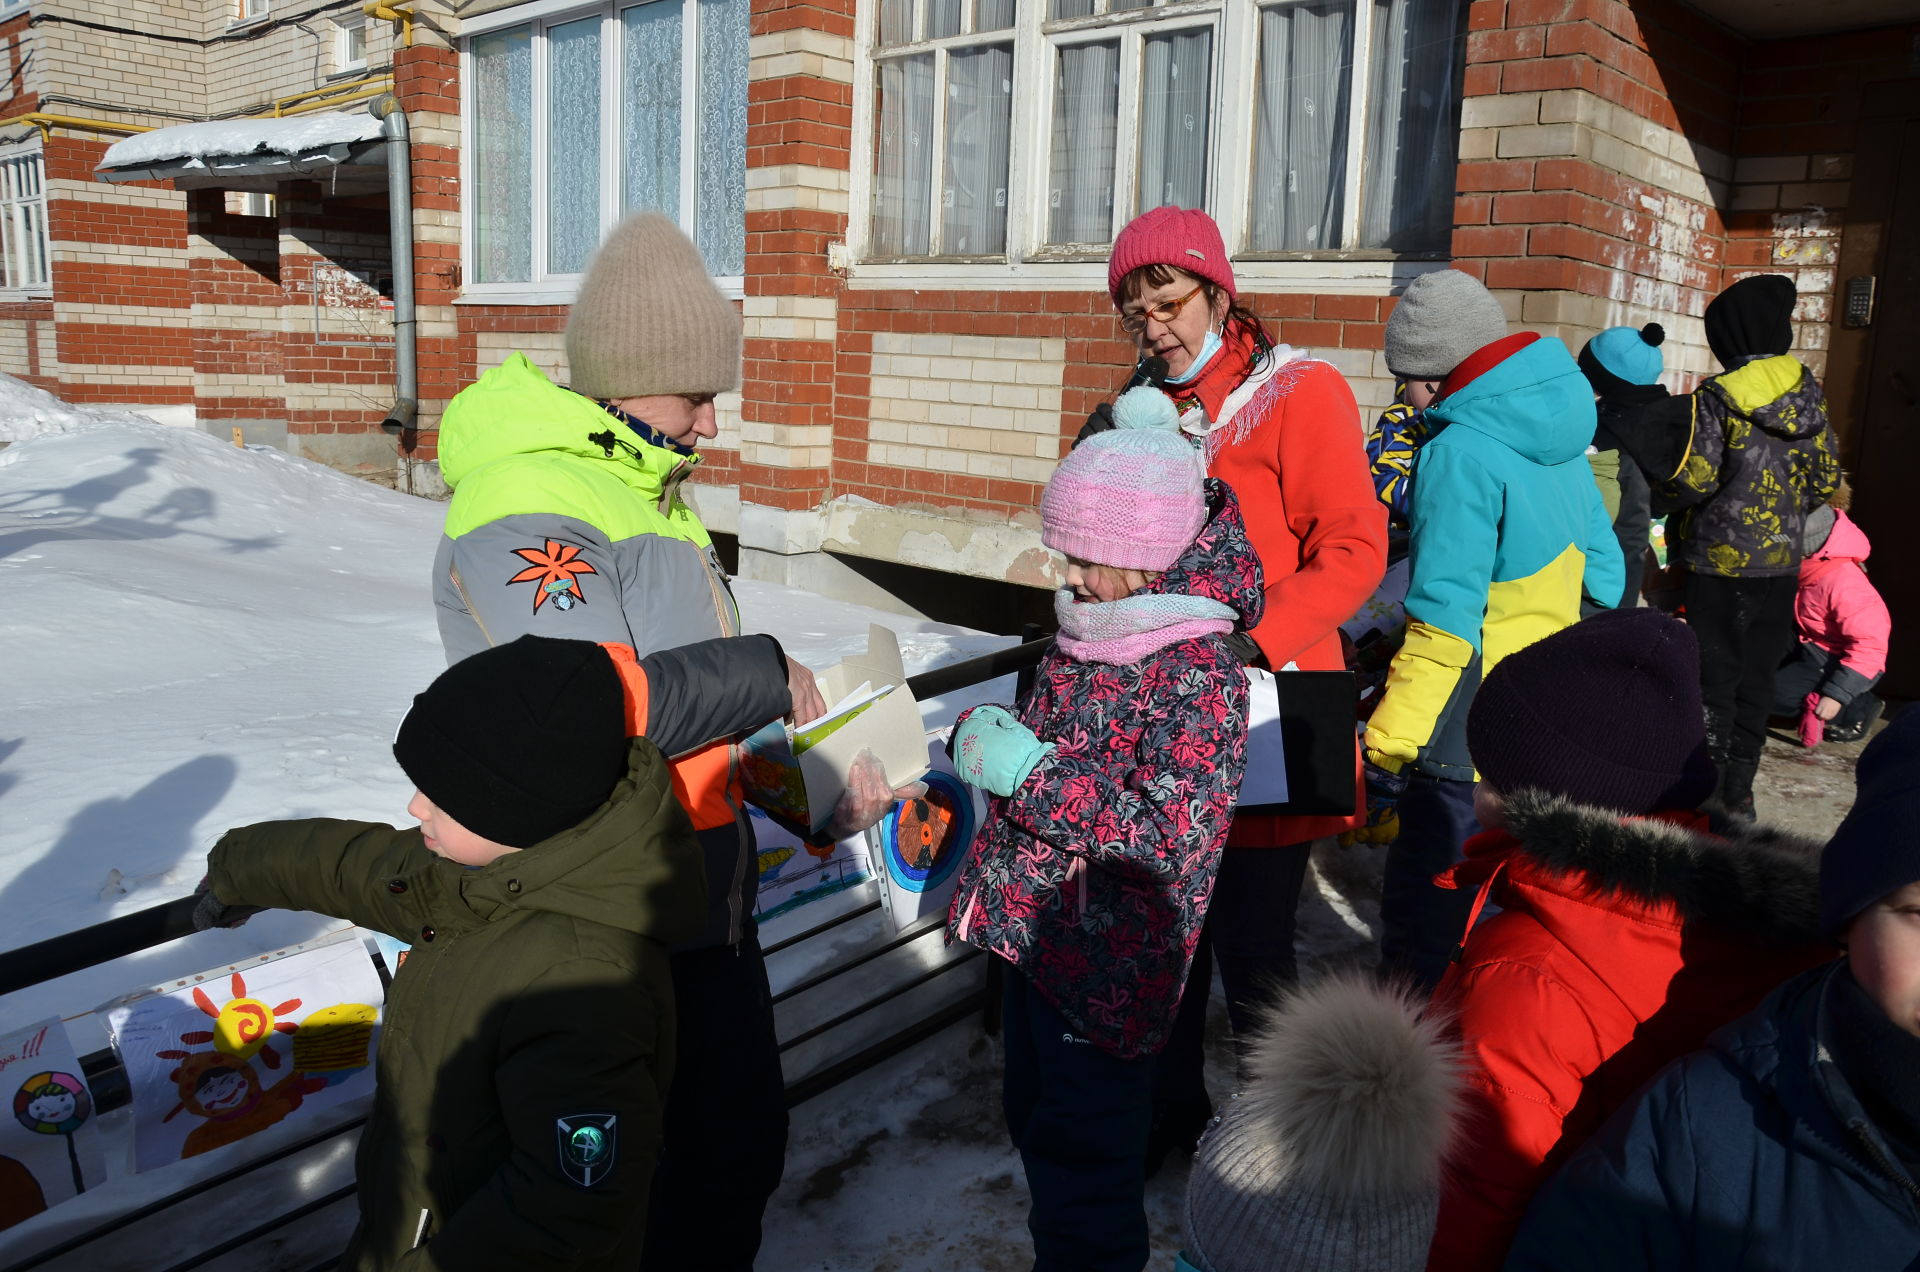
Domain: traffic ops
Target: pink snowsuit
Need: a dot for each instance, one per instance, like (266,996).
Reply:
(1838,609)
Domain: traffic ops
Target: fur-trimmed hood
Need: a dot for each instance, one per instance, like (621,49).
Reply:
(1756,883)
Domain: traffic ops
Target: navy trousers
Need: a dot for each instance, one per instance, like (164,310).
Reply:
(1079,1117)
(1420,923)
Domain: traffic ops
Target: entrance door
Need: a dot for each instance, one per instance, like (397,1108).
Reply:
(1883,398)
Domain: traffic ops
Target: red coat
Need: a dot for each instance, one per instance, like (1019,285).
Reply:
(1619,946)
(1836,605)
(1292,447)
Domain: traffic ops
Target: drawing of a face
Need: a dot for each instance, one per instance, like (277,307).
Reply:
(222,1090)
(53,1105)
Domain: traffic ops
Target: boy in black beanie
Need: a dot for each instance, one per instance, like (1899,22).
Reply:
(1761,456)
(1793,1140)
(527,1040)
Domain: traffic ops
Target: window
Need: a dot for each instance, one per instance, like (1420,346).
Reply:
(945,99)
(23,222)
(1302,125)
(350,45)
(581,118)
(251,9)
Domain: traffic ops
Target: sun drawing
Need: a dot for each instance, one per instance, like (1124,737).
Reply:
(556,569)
(241,1027)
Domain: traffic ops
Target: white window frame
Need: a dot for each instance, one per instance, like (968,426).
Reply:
(560,289)
(1030,262)
(23,186)
(344,29)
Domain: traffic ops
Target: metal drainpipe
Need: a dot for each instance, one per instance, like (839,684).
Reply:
(406,375)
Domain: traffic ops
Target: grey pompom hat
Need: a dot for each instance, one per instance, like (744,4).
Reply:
(1332,1156)
(1441,320)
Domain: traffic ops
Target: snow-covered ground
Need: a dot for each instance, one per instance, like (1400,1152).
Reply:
(198,636)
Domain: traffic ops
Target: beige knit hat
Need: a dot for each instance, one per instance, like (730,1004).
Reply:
(649,320)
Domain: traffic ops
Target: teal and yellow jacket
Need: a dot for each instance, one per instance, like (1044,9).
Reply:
(1508,531)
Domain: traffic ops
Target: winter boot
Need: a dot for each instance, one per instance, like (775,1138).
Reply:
(1735,792)
(1858,720)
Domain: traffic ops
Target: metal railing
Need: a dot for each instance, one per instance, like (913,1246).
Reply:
(132,933)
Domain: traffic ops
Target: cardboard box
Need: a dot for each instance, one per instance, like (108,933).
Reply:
(802,777)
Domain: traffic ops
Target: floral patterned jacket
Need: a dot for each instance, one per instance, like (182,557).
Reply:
(1093,878)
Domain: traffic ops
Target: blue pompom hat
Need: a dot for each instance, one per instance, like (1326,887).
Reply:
(1628,354)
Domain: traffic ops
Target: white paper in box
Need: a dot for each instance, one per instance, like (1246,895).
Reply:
(804,788)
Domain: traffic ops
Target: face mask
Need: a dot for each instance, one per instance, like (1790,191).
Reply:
(1208,347)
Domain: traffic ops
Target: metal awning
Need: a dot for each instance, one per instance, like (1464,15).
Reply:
(255,154)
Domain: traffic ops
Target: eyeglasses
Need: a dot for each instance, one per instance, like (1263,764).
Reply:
(1164,312)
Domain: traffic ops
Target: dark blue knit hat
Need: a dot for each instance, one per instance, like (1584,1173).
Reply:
(1877,848)
(1606,712)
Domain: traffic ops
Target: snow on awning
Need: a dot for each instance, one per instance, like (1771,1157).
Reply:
(251,154)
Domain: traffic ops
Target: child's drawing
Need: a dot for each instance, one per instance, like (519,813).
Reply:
(923,841)
(794,872)
(222,1057)
(49,1151)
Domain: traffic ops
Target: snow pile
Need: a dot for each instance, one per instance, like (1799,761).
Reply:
(29,412)
(294,135)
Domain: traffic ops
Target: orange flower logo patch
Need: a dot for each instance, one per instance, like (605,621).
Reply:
(555,570)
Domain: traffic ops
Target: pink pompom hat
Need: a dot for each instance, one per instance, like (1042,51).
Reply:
(1132,497)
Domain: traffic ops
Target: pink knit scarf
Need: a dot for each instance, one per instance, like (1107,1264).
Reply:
(1127,630)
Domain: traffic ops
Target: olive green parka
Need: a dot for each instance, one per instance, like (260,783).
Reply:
(534,1005)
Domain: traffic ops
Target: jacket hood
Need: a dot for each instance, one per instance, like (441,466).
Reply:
(514,409)
(1777,394)
(1220,564)
(1535,402)
(1756,883)
(1845,542)
(634,865)
(1353,1091)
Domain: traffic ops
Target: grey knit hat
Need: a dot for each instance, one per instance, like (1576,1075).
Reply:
(1443,319)
(1330,1159)
(649,320)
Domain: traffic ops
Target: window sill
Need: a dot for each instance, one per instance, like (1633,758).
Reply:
(19,296)
(241,24)
(559,293)
(1369,273)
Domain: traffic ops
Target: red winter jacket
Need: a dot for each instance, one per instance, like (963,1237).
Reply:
(1619,946)
(1292,447)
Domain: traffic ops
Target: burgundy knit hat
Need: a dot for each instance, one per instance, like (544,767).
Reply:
(1185,238)
(1606,713)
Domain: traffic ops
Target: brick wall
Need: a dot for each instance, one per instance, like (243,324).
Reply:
(1625,162)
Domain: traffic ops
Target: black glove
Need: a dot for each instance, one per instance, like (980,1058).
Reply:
(210,911)
(1098,422)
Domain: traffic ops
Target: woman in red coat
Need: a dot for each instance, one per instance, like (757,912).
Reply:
(1282,429)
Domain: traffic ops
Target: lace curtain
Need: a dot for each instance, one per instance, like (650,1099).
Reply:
(1413,129)
(721,203)
(503,155)
(1173,124)
(573,145)
(650,107)
(1300,148)
(1086,110)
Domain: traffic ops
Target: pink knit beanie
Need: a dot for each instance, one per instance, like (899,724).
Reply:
(1185,238)
(1131,497)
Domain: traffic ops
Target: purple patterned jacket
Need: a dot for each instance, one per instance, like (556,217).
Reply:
(1093,878)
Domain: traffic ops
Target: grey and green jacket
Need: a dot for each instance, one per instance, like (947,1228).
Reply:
(566,520)
(1761,455)
(535,1005)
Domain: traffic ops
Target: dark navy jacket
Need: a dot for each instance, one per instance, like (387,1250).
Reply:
(1753,1154)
